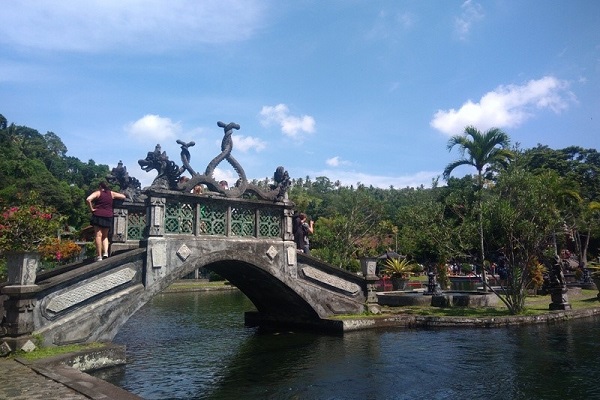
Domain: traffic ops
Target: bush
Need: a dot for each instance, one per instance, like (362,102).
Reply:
(59,252)
(214,277)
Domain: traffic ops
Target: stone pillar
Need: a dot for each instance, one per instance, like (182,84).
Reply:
(156,222)
(19,324)
(22,267)
(369,266)
(21,290)
(287,224)
(120,225)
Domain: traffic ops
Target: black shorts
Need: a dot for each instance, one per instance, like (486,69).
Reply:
(102,222)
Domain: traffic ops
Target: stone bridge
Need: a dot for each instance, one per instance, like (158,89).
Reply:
(248,242)
(162,234)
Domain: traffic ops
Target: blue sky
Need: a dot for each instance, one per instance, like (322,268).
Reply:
(357,91)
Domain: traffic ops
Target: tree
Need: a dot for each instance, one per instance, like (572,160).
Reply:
(486,152)
(353,219)
(522,216)
(580,169)
(30,161)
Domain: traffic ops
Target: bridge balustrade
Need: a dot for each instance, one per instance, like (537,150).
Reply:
(176,213)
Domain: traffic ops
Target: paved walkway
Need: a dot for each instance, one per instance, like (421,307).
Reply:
(56,382)
(19,382)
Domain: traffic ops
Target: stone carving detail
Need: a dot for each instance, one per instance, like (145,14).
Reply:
(157,216)
(168,171)
(170,174)
(272,253)
(330,280)
(130,187)
(184,252)
(82,293)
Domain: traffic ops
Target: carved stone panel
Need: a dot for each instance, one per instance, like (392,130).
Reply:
(84,292)
(330,280)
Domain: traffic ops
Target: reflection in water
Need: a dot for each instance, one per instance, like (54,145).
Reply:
(194,346)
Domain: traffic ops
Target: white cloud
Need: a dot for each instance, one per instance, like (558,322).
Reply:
(336,162)
(291,126)
(245,143)
(225,175)
(348,178)
(471,12)
(153,127)
(506,106)
(133,25)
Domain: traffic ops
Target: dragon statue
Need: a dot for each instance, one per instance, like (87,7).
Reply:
(170,175)
(168,171)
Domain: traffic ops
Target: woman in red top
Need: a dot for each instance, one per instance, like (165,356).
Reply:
(101,204)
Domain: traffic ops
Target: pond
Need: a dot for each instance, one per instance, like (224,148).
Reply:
(195,346)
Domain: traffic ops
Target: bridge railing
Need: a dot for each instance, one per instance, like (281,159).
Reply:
(173,213)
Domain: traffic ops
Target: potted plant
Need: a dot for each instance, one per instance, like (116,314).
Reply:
(399,271)
(23,229)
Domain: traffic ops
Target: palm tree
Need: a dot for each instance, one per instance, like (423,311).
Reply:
(485,151)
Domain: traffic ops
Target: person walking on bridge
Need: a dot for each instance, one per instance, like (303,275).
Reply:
(101,205)
(302,229)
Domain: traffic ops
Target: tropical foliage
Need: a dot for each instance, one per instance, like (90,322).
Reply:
(32,162)
(487,152)
(398,268)
(27,226)
(522,202)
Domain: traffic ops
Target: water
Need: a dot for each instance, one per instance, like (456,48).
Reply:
(195,346)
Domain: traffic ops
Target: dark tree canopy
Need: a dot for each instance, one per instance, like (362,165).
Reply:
(32,162)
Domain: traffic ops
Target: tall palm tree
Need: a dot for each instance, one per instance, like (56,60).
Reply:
(484,151)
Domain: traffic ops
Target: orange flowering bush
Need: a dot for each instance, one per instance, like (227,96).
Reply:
(59,252)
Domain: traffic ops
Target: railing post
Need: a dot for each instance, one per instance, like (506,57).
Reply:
(287,227)
(156,222)
(21,291)
(120,225)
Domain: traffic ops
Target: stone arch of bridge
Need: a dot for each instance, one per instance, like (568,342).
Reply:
(265,286)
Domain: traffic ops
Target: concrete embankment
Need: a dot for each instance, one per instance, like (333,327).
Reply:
(62,377)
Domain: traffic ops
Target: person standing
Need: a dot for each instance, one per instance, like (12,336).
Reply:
(101,205)
(302,229)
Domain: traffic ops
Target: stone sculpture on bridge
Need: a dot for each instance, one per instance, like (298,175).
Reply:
(130,186)
(169,173)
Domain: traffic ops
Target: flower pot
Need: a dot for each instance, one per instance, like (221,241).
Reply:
(22,267)
(398,283)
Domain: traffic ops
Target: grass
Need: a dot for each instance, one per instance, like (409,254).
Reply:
(534,305)
(183,285)
(45,352)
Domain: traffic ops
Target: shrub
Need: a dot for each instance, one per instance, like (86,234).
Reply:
(59,252)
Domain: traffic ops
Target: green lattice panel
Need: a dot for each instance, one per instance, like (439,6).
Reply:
(213,220)
(269,223)
(242,222)
(179,218)
(136,225)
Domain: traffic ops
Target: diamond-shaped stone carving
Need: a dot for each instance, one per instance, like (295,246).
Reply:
(28,347)
(272,253)
(184,252)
